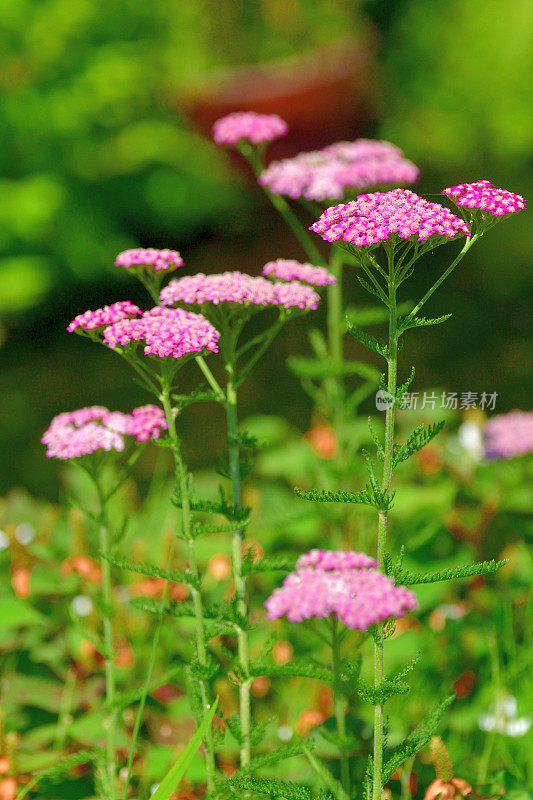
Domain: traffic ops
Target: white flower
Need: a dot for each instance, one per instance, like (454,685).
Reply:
(503,718)
(25,533)
(82,605)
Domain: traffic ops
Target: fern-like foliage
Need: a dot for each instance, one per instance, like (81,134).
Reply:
(409,578)
(315,369)
(199,528)
(235,513)
(419,322)
(417,739)
(297,670)
(402,389)
(270,787)
(416,441)
(133,695)
(279,563)
(369,496)
(367,340)
(152,571)
(273,757)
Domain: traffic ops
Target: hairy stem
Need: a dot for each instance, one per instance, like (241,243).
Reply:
(335,329)
(382,524)
(199,624)
(238,578)
(340,705)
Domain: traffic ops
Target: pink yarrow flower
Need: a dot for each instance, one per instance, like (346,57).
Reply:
(509,435)
(247,126)
(374,218)
(484,196)
(238,288)
(73,434)
(329,173)
(290,270)
(150,258)
(166,333)
(357,596)
(92,320)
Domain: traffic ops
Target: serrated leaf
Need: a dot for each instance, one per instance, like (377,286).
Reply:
(370,342)
(153,571)
(416,441)
(409,578)
(419,322)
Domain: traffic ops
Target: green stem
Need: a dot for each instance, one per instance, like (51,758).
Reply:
(201,650)
(317,766)
(107,611)
(382,526)
(208,375)
(340,705)
(238,577)
(335,329)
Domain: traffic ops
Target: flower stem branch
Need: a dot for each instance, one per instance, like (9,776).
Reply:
(340,705)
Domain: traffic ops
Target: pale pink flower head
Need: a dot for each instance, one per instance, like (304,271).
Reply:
(339,169)
(248,126)
(166,333)
(372,219)
(509,435)
(149,259)
(343,585)
(95,320)
(238,289)
(485,197)
(290,270)
(74,434)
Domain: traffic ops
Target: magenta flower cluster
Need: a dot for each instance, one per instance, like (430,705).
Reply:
(290,270)
(375,218)
(329,173)
(149,257)
(92,320)
(484,196)
(237,287)
(509,435)
(358,595)
(79,433)
(166,332)
(249,127)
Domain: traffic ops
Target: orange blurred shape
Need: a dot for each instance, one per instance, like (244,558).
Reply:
(476,583)
(308,720)
(325,701)
(437,620)
(4,765)
(20,579)
(429,460)
(447,790)
(154,587)
(219,567)
(260,686)
(413,783)
(228,768)
(282,652)
(323,440)
(166,693)
(83,566)
(254,550)
(8,789)
(464,683)
(124,657)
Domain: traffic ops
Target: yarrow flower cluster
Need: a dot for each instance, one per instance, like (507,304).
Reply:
(484,196)
(166,332)
(329,173)
(91,320)
(341,584)
(248,126)
(374,218)
(153,259)
(290,270)
(237,287)
(79,433)
(509,435)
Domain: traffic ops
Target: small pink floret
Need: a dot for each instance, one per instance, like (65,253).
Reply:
(484,196)
(343,584)
(374,218)
(249,127)
(237,287)
(165,332)
(290,270)
(150,257)
(91,320)
(509,435)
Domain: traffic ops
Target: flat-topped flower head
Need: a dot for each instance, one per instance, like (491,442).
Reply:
(93,320)
(335,559)
(357,597)
(149,259)
(484,196)
(165,332)
(73,434)
(238,289)
(509,435)
(330,173)
(247,126)
(290,270)
(375,218)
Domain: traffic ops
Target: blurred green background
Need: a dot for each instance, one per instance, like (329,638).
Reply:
(105,115)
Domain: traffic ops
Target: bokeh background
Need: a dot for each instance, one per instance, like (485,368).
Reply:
(105,115)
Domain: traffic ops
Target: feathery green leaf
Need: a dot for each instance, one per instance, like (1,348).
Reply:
(409,578)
